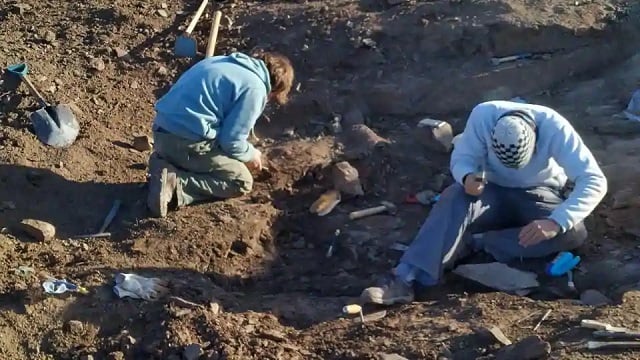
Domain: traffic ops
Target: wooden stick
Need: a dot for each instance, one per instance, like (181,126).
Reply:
(544,317)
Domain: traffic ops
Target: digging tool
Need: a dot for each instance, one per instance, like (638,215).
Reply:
(616,335)
(213,36)
(596,325)
(185,45)
(623,345)
(386,206)
(54,125)
(105,224)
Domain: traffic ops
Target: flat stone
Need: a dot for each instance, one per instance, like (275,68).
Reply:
(436,135)
(494,334)
(37,229)
(163,13)
(530,348)
(192,352)
(592,297)
(498,276)
(120,52)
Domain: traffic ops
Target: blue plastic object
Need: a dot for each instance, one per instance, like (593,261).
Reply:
(562,264)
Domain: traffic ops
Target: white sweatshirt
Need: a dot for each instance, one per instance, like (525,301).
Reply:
(560,154)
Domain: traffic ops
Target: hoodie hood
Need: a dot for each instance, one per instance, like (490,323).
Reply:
(254,65)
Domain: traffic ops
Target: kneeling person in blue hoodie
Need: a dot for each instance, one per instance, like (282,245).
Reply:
(528,152)
(202,125)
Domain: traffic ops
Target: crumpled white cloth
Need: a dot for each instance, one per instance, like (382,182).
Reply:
(139,287)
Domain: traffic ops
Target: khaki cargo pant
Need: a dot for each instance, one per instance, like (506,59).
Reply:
(204,172)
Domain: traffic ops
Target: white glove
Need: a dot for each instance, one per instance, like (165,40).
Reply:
(139,287)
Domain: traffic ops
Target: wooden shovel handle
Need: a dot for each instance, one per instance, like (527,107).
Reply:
(34,91)
(196,17)
(213,36)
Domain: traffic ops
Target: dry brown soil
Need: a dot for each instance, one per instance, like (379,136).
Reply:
(262,257)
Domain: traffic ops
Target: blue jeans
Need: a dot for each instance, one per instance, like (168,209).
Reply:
(497,216)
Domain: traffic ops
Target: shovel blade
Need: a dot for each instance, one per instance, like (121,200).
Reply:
(55,126)
(185,47)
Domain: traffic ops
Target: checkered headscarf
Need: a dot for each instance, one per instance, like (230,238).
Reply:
(513,140)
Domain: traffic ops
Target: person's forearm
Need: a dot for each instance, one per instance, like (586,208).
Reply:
(587,194)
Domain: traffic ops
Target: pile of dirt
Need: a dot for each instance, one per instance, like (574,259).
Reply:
(253,273)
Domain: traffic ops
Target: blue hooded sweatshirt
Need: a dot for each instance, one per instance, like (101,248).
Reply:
(560,155)
(219,98)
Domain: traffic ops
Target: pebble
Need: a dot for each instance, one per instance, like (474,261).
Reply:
(97,64)
(49,36)
(75,327)
(215,307)
(192,352)
(120,52)
(163,71)
(37,229)
(592,297)
(134,85)
(142,143)
(163,13)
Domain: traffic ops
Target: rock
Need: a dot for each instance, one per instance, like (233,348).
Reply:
(435,135)
(530,348)
(493,333)
(97,64)
(498,276)
(37,229)
(49,36)
(592,297)
(192,352)
(385,356)
(346,179)
(215,308)
(163,71)
(163,13)
(359,141)
(273,335)
(75,327)
(20,8)
(116,355)
(120,52)
(142,143)
(134,85)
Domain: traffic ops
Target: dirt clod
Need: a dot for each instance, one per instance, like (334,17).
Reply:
(38,229)
(436,135)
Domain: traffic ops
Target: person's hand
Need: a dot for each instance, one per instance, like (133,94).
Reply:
(537,231)
(256,162)
(473,185)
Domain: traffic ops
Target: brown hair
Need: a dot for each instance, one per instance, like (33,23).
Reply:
(281,74)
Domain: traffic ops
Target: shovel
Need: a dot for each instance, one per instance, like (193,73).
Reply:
(185,45)
(213,35)
(54,125)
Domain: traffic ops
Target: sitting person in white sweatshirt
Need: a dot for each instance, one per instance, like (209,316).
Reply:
(517,210)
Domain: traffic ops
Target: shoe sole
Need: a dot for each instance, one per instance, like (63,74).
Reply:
(158,204)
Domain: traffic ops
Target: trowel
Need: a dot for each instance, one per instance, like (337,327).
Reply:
(54,125)
(186,46)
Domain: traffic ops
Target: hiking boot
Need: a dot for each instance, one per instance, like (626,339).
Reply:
(163,183)
(394,291)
